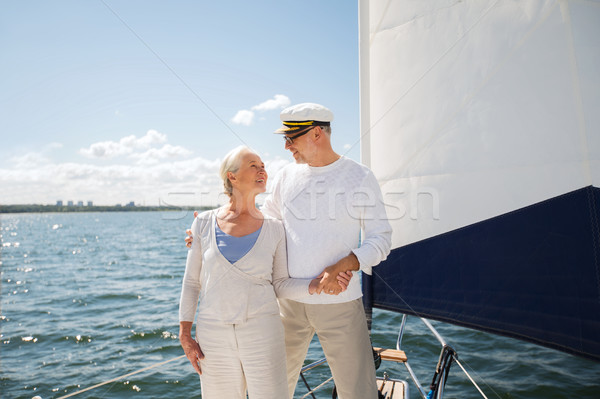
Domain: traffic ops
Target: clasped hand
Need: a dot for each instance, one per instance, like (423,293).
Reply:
(329,282)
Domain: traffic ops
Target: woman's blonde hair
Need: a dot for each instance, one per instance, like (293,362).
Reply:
(231,163)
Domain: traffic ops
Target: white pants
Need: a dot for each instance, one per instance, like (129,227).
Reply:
(342,331)
(238,357)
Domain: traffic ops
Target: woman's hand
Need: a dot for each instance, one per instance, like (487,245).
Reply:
(192,351)
(327,283)
(190,346)
(312,287)
(344,279)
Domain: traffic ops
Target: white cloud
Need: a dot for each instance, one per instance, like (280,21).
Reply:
(149,170)
(158,173)
(152,137)
(154,155)
(111,184)
(32,159)
(243,117)
(104,149)
(246,117)
(28,160)
(278,102)
(127,145)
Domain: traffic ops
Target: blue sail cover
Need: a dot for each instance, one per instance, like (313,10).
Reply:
(532,274)
(479,119)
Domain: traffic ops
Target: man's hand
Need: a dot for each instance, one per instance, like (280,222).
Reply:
(335,278)
(190,238)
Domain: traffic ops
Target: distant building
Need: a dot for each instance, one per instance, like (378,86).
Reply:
(70,203)
(132,203)
(90,203)
(79,203)
(59,203)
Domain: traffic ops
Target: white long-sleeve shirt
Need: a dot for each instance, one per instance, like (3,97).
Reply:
(232,293)
(325,211)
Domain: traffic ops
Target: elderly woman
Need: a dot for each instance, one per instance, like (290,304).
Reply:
(236,266)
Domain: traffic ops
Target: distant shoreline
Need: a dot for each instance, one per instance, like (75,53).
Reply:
(94,208)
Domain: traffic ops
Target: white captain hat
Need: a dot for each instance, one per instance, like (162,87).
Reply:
(301,117)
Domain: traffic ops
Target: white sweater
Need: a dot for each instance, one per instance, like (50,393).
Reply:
(325,210)
(232,293)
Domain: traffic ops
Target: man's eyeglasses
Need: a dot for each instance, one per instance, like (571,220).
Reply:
(290,140)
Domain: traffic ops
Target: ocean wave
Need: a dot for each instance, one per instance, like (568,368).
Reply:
(125,296)
(152,335)
(42,339)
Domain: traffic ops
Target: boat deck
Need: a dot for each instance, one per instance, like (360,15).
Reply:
(392,389)
(389,387)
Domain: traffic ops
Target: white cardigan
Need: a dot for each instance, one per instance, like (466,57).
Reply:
(232,293)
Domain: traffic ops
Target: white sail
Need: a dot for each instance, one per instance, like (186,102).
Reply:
(472,109)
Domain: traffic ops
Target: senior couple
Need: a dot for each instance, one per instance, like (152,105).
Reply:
(262,282)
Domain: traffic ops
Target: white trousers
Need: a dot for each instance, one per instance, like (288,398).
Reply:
(342,331)
(243,357)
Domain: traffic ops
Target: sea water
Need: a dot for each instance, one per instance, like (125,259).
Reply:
(92,297)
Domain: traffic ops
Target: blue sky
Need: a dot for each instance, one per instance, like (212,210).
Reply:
(116,101)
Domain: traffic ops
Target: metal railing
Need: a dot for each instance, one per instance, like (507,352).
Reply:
(436,389)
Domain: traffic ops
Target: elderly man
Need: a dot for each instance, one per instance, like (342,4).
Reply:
(324,200)
(327,202)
